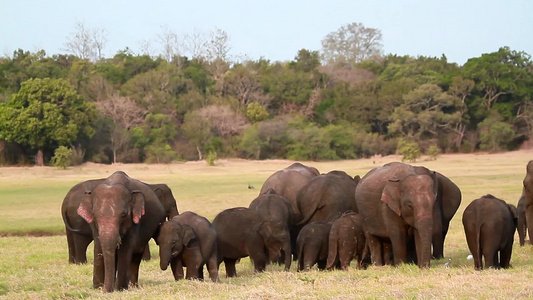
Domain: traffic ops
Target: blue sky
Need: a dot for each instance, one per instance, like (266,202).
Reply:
(275,29)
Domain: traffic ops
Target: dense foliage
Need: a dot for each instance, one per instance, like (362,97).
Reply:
(140,108)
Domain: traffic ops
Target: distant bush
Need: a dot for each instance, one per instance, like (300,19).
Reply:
(433,152)
(62,157)
(409,150)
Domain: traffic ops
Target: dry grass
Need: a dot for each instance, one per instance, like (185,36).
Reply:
(36,267)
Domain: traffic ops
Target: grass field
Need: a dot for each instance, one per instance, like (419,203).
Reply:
(35,266)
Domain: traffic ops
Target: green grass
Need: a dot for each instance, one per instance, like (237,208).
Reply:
(37,268)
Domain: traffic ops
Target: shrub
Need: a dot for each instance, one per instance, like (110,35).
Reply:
(433,152)
(211,157)
(409,150)
(62,157)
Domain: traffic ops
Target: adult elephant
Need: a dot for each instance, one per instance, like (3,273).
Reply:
(276,209)
(393,200)
(490,224)
(190,240)
(78,231)
(241,232)
(287,182)
(521,221)
(123,214)
(528,195)
(326,197)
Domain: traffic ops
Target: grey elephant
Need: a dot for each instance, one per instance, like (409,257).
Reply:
(188,240)
(312,243)
(242,232)
(124,214)
(346,242)
(276,209)
(393,200)
(78,231)
(521,221)
(489,225)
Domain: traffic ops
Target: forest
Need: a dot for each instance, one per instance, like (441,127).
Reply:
(347,100)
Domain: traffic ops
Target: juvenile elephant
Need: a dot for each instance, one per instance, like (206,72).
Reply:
(521,221)
(287,182)
(242,232)
(312,243)
(124,214)
(189,240)
(346,242)
(276,209)
(393,200)
(78,231)
(490,224)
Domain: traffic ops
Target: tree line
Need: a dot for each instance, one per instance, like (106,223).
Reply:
(346,101)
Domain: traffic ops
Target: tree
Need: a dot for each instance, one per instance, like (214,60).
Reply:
(87,43)
(352,43)
(218,46)
(44,114)
(170,45)
(125,114)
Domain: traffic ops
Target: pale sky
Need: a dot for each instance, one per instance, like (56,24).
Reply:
(275,29)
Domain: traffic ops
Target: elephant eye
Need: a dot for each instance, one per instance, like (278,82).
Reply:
(124,214)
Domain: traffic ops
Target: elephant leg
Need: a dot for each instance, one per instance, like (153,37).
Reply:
(71,247)
(345,256)
(505,256)
(230,267)
(80,245)
(529,221)
(98,266)
(134,268)
(124,260)
(177,268)
(321,264)
(399,248)
(146,254)
(437,238)
(212,268)
(375,246)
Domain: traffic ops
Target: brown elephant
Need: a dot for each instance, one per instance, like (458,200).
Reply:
(242,232)
(346,242)
(276,209)
(521,221)
(312,244)
(287,182)
(393,200)
(124,214)
(528,195)
(188,240)
(78,231)
(490,224)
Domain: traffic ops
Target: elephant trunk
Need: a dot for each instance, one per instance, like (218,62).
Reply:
(164,257)
(109,242)
(423,238)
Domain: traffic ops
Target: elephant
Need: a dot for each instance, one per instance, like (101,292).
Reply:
(242,232)
(189,240)
(276,209)
(78,231)
(124,214)
(312,244)
(346,242)
(528,195)
(393,200)
(490,224)
(521,222)
(287,182)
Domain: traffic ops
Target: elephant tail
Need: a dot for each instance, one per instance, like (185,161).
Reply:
(332,249)
(301,257)
(67,224)
(478,245)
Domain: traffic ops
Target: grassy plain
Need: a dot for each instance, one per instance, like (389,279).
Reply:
(35,267)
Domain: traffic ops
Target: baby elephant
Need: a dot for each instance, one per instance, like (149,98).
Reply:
(490,224)
(188,240)
(312,245)
(346,242)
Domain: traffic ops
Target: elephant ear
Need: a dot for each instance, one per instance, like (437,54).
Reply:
(391,195)
(138,205)
(159,193)
(85,210)
(188,236)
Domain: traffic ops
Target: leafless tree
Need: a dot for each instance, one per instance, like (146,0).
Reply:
(352,43)
(196,44)
(225,121)
(86,43)
(125,114)
(218,46)
(171,46)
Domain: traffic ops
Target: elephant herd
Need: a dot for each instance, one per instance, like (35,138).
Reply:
(396,213)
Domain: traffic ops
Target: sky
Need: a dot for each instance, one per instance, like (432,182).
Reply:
(274,29)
